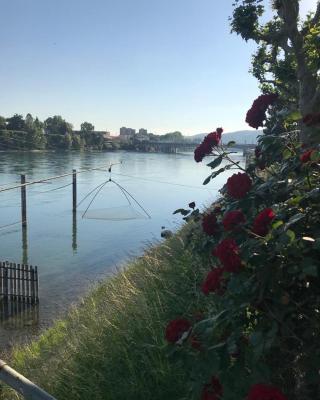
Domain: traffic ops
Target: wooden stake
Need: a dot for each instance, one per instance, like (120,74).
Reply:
(74,190)
(23,201)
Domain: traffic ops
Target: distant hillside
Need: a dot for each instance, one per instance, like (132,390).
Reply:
(241,137)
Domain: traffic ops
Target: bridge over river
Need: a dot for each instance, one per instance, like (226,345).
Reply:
(175,147)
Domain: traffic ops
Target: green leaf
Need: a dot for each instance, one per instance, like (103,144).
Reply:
(311,270)
(294,116)
(293,220)
(181,211)
(291,235)
(207,180)
(277,224)
(315,156)
(215,163)
(231,143)
(286,154)
(215,174)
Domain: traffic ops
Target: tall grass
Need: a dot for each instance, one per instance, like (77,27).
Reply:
(112,345)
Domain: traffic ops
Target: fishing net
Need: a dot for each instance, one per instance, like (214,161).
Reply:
(123,213)
(114,194)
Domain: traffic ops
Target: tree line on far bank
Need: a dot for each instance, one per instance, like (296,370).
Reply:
(29,133)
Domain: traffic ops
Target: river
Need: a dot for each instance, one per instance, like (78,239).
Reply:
(72,254)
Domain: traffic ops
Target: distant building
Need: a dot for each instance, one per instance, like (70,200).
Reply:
(143,131)
(127,131)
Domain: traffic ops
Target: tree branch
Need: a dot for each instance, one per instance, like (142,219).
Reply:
(316,17)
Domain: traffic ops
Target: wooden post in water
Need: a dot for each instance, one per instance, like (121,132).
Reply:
(74,190)
(23,201)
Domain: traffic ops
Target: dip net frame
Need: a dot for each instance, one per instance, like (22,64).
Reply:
(119,213)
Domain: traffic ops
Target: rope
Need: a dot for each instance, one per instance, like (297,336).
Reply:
(133,199)
(7,226)
(58,188)
(52,178)
(166,183)
(96,194)
(89,194)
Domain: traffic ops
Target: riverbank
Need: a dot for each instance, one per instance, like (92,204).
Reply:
(112,345)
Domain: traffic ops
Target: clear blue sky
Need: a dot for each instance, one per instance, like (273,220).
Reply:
(163,65)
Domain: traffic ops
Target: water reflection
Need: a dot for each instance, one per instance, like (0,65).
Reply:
(74,232)
(24,245)
(18,315)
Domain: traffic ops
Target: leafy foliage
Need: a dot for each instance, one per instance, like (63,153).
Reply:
(263,327)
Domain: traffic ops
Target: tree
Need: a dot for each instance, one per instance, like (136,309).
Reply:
(173,136)
(16,123)
(56,125)
(287,60)
(87,127)
(3,123)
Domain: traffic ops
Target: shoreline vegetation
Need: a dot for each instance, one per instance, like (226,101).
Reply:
(30,134)
(112,345)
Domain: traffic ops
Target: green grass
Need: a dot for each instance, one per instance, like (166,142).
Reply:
(112,345)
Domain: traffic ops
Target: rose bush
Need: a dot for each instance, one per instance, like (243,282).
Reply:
(261,310)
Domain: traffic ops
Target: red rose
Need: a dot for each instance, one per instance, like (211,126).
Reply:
(204,149)
(212,391)
(265,392)
(233,219)
(209,224)
(176,328)
(306,156)
(257,113)
(213,281)
(238,185)
(192,204)
(261,224)
(212,139)
(228,253)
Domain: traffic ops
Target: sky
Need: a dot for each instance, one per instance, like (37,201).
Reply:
(163,65)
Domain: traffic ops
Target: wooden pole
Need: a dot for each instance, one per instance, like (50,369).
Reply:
(74,190)
(23,201)
(21,384)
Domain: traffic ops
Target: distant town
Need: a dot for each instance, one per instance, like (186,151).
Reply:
(29,133)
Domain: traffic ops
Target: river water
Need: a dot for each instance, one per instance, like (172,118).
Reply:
(71,253)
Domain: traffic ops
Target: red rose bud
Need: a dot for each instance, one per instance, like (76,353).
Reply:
(219,132)
(257,152)
(209,224)
(213,282)
(238,185)
(306,156)
(192,204)
(212,391)
(233,220)
(228,253)
(176,328)
(262,222)
(265,392)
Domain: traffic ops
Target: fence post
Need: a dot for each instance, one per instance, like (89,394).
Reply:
(74,190)
(21,384)
(23,201)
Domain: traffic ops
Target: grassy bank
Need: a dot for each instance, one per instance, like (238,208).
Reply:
(112,345)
